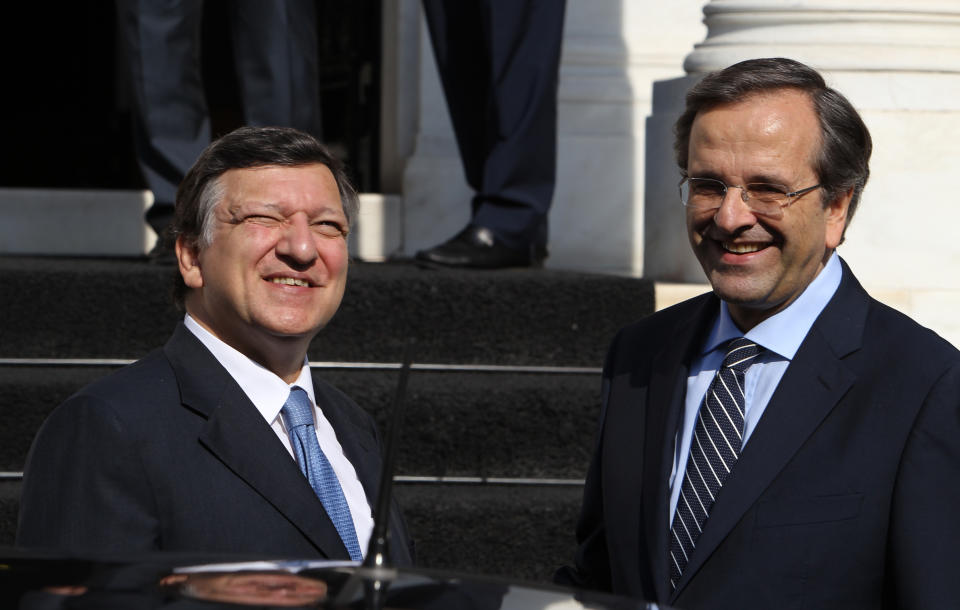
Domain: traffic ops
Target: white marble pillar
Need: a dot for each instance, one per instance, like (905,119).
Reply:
(898,61)
(612,52)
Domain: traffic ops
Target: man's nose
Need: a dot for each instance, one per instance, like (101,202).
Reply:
(297,241)
(734,213)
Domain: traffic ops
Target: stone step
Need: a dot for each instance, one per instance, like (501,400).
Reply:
(523,532)
(90,222)
(456,424)
(119,308)
(9,502)
(516,531)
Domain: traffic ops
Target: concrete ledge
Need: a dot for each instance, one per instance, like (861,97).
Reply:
(75,222)
(378,233)
(667,293)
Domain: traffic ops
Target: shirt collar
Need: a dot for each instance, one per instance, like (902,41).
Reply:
(264,388)
(783,332)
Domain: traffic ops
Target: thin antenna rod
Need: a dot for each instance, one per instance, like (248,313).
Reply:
(377,551)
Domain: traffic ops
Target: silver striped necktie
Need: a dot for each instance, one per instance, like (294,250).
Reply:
(714,449)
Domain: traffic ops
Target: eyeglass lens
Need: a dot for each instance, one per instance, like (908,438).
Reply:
(709,193)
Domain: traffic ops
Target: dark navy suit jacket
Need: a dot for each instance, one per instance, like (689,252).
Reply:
(846,495)
(170,454)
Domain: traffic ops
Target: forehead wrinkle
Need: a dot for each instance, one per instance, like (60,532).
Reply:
(284,196)
(756,140)
(259,205)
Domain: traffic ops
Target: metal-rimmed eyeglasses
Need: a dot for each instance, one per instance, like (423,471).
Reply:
(703,194)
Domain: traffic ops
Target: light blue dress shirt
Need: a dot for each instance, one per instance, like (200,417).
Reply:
(780,335)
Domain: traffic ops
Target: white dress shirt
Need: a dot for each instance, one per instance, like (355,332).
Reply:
(268,393)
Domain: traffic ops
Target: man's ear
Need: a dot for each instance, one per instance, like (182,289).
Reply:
(835,215)
(188,259)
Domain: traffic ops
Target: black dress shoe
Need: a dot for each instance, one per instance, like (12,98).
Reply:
(477,248)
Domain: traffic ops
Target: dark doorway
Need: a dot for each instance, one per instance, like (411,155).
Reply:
(67,113)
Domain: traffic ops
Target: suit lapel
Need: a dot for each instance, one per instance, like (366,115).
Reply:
(237,434)
(359,445)
(813,384)
(664,409)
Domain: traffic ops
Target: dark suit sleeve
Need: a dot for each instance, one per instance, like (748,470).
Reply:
(925,529)
(591,569)
(85,486)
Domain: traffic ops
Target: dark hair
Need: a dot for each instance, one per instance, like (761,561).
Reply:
(246,147)
(843,161)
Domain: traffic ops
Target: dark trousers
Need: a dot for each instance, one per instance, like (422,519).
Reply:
(499,65)
(275,55)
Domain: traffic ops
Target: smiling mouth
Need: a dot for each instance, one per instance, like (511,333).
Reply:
(745,248)
(290,281)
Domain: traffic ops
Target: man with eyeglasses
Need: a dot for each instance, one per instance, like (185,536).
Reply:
(786,440)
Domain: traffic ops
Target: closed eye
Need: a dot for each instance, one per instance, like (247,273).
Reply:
(262,219)
(330,228)
(766,188)
(707,187)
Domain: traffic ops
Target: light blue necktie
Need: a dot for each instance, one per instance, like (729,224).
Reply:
(298,418)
